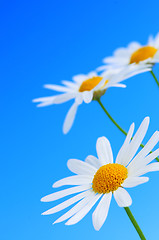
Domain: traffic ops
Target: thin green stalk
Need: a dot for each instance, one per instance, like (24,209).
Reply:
(154,77)
(110,117)
(136,226)
(116,124)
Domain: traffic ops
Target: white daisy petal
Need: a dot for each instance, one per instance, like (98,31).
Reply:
(63,98)
(122,197)
(67,203)
(87,96)
(134,181)
(93,161)
(136,141)
(70,84)
(138,160)
(79,78)
(150,40)
(149,168)
(69,119)
(44,104)
(64,193)
(104,150)
(82,213)
(100,214)
(82,168)
(74,180)
(76,208)
(125,145)
(134,46)
(44,99)
(100,84)
(118,85)
(121,52)
(111,60)
(91,74)
(151,157)
(133,170)
(79,98)
(156,56)
(56,88)
(101,68)
(139,69)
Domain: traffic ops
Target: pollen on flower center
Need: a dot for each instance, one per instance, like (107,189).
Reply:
(90,83)
(142,54)
(109,178)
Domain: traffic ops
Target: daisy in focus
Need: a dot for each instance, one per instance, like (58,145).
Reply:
(136,54)
(100,178)
(85,88)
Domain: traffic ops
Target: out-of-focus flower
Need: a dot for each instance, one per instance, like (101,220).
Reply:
(136,54)
(85,88)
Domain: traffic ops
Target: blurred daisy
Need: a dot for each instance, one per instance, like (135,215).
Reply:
(84,88)
(136,54)
(100,178)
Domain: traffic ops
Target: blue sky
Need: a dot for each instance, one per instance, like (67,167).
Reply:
(46,42)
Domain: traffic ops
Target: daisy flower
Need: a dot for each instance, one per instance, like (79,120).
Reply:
(84,88)
(136,54)
(100,178)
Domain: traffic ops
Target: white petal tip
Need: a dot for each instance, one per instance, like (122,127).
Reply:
(147,119)
(45,213)
(70,222)
(97,228)
(130,203)
(101,138)
(45,85)
(43,199)
(132,126)
(65,131)
(39,105)
(67,223)
(54,222)
(147,179)
(55,185)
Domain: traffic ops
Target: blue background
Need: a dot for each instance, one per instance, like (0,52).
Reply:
(46,42)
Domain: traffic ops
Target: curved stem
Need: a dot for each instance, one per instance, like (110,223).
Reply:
(136,226)
(110,117)
(154,77)
(116,124)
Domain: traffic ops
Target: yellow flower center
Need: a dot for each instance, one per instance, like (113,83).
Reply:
(142,54)
(89,84)
(109,177)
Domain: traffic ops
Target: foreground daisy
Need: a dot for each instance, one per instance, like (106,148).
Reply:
(85,88)
(136,54)
(100,178)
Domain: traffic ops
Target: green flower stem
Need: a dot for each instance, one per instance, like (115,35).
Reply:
(116,124)
(136,226)
(154,77)
(110,117)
